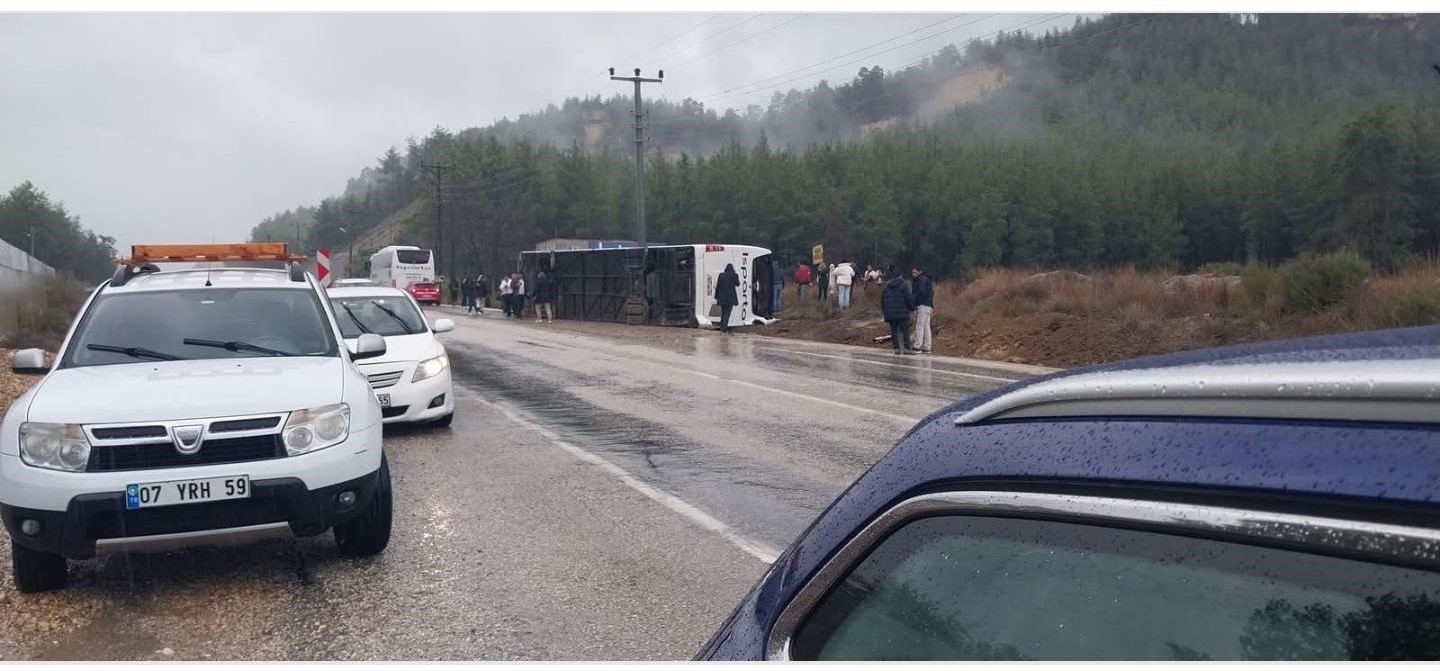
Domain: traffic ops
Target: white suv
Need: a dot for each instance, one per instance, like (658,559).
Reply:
(193,407)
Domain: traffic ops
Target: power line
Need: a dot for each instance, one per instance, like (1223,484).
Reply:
(707,39)
(836,58)
(674,37)
(739,41)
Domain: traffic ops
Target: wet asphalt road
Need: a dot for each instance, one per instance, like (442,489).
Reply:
(605,492)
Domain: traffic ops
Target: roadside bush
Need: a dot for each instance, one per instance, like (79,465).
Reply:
(1312,283)
(1417,307)
(1220,268)
(42,322)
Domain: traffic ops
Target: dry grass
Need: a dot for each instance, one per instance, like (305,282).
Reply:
(1064,319)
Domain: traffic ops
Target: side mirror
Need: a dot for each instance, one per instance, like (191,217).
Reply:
(443,326)
(29,362)
(368,346)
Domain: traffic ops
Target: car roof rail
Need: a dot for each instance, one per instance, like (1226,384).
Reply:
(1377,390)
(125,273)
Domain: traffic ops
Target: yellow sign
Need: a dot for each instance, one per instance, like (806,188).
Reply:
(817,254)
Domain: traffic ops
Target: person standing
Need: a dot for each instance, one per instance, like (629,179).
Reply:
(822,281)
(517,288)
(482,293)
(924,291)
(844,276)
(544,297)
(777,285)
(896,302)
(727,295)
(802,279)
(455,291)
(467,293)
(506,300)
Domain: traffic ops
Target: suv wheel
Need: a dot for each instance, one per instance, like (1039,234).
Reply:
(37,571)
(369,532)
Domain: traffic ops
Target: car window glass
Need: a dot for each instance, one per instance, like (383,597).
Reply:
(381,315)
(973,588)
(287,320)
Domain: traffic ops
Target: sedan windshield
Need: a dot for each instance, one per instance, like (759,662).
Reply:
(381,315)
(155,326)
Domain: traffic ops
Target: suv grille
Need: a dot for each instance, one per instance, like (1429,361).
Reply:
(383,380)
(164,455)
(131,432)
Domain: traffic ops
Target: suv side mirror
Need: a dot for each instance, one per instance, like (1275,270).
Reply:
(443,326)
(368,346)
(29,362)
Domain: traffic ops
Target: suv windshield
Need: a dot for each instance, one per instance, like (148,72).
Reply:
(381,315)
(153,326)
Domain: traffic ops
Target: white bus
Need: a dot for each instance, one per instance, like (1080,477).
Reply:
(591,284)
(409,268)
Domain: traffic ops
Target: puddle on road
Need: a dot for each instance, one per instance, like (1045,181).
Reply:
(765,506)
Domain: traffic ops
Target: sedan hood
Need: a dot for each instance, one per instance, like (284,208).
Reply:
(169,390)
(405,348)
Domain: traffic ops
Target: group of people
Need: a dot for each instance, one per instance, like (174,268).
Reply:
(474,294)
(830,280)
(898,299)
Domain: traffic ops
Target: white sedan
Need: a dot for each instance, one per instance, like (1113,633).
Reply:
(412,378)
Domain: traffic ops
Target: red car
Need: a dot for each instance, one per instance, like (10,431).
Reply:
(426,293)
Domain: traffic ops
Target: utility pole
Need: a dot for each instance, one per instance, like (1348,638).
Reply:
(32,242)
(350,230)
(439,172)
(636,307)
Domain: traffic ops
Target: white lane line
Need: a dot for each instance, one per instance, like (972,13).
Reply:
(700,518)
(893,365)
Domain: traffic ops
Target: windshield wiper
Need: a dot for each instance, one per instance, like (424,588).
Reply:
(358,324)
(403,324)
(236,346)
(136,352)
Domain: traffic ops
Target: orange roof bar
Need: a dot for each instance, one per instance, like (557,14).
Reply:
(254,251)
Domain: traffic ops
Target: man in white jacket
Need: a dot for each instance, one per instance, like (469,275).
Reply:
(843,275)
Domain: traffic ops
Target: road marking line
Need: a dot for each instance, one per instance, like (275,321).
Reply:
(895,365)
(704,520)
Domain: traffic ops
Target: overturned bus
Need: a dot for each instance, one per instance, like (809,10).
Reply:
(594,284)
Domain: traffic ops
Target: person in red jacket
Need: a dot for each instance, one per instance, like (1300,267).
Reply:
(802,279)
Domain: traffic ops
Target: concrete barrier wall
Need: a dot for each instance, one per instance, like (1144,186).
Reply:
(22,280)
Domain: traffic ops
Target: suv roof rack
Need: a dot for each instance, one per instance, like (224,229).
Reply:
(143,258)
(1381,390)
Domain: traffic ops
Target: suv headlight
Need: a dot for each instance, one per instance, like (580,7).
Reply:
(431,367)
(316,428)
(60,447)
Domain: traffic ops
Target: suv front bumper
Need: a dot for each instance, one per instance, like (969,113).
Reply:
(92,517)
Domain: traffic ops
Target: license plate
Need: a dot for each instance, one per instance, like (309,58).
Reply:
(384,400)
(178,492)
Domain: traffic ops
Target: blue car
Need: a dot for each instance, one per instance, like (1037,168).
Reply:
(1261,502)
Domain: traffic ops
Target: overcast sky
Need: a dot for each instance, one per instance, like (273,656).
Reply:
(193,128)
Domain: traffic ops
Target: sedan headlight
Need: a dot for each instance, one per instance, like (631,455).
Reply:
(60,447)
(317,428)
(431,367)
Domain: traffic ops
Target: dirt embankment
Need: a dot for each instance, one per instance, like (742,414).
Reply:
(1065,319)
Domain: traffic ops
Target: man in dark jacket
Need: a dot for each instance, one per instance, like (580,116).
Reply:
(467,291)
(896,302)
(544,297)
(924,291)
(727,295)
(482,293)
